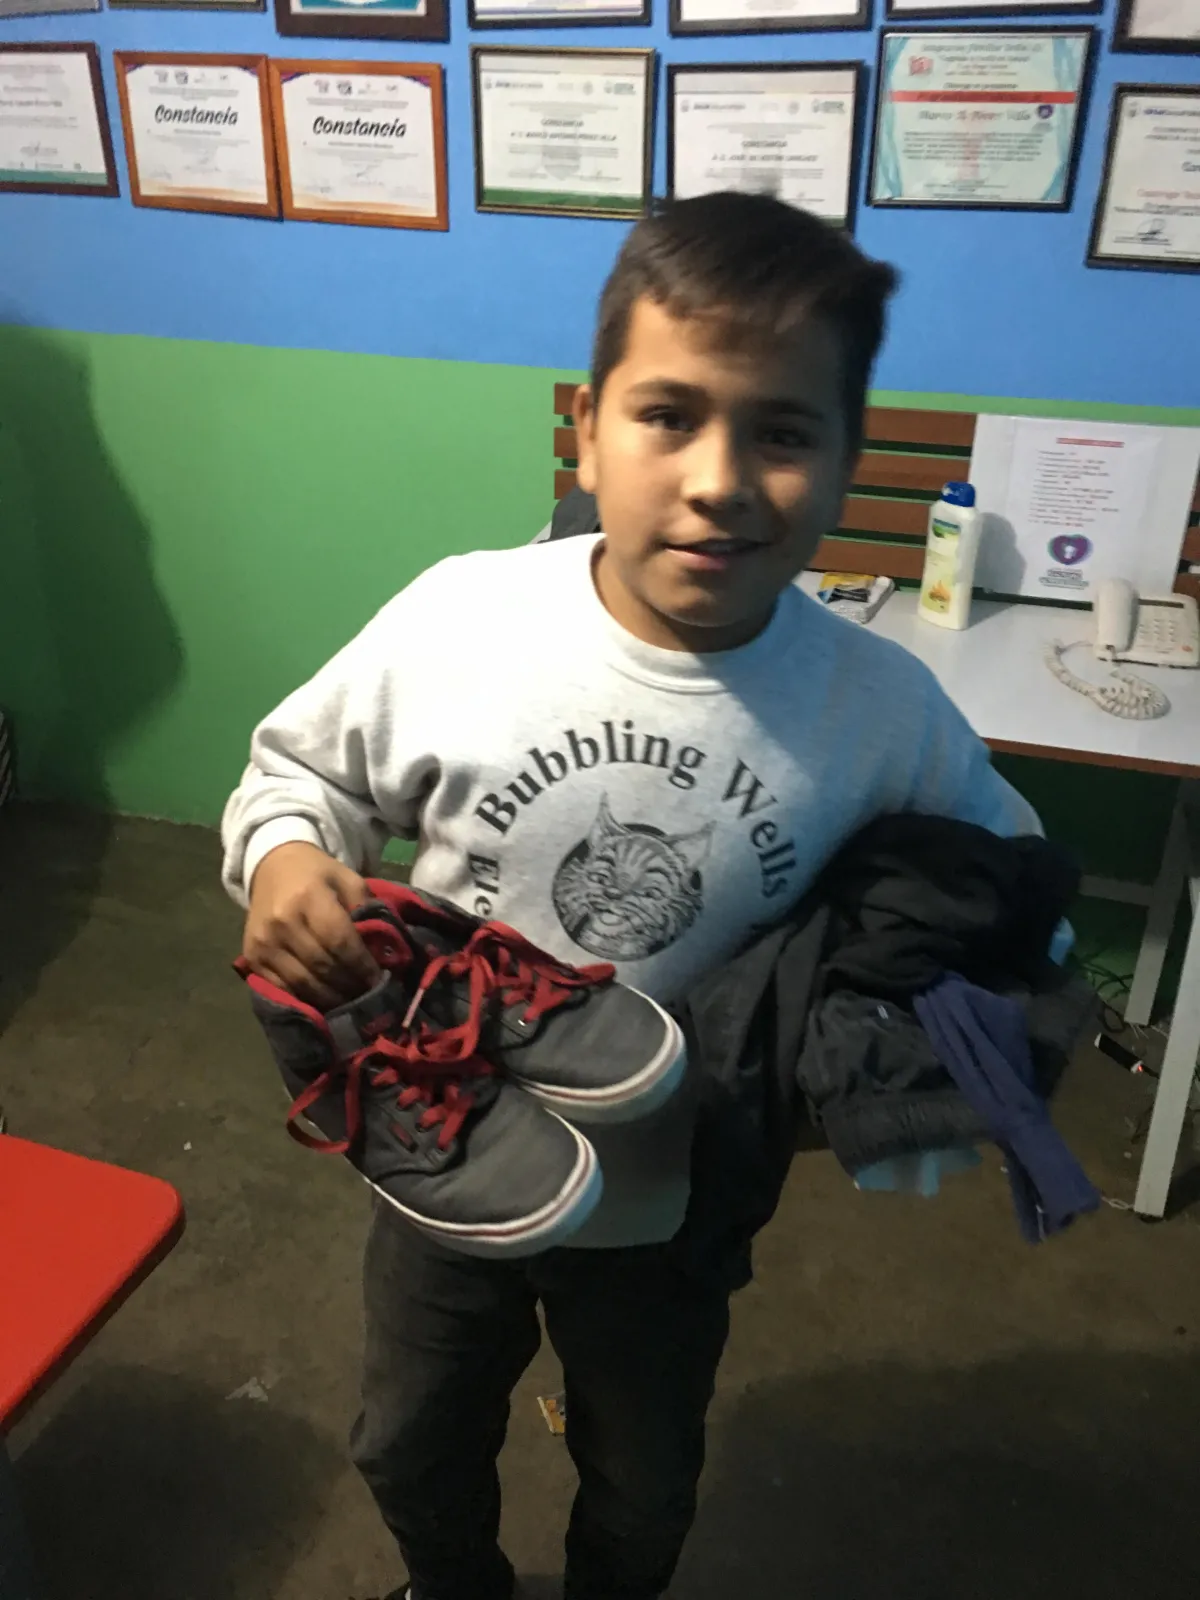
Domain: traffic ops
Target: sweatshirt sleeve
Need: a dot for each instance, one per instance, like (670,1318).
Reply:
(320,762)
(953,776)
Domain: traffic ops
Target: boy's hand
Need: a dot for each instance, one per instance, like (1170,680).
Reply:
(298,932)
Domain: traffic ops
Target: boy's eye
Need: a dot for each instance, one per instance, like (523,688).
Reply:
(669,418)
(786,436)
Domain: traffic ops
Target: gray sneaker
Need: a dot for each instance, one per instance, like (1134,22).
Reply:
(470,1159)
(586,1046)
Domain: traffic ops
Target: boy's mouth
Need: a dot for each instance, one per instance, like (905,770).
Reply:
(713,555)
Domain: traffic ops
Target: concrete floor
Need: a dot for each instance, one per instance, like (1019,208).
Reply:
(914,1406)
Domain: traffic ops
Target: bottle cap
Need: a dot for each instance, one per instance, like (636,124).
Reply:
(959,494)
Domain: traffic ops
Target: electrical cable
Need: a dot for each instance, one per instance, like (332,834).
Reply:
(1123,696)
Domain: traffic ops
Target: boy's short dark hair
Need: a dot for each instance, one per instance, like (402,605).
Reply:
(758,267)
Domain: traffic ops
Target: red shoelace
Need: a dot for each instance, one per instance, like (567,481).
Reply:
(499,962)
(428,1065)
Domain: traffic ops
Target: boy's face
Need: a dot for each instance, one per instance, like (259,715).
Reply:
(717,473)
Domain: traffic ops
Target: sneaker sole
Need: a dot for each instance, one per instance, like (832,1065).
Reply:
(629,1100)
(541,1230)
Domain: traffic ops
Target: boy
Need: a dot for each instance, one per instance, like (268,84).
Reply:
(635,748)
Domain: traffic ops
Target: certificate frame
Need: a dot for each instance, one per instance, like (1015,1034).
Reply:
(648,58)
(1171,91)
(430,73)
(1125,39)
(351,19)
(582,16)
(187,5)
(780,69)
(841,22)
(123,60)
(45,8)
(900,11)
(1082,97)
(110,188)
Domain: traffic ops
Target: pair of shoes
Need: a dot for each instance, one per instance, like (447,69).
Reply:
(453,1085)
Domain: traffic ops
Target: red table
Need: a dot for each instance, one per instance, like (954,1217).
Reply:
(76,1239)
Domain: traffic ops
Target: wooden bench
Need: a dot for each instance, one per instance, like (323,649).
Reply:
(908,456)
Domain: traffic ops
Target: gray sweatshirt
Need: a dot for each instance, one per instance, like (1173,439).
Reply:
(614,801)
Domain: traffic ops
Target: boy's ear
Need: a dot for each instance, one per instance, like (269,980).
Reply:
(584,409)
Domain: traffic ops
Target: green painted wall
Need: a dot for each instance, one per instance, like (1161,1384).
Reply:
(189,529)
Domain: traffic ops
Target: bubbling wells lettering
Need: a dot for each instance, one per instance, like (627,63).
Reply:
(733,790)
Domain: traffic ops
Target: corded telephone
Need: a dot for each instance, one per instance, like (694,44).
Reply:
(1159,630)
(1155,630)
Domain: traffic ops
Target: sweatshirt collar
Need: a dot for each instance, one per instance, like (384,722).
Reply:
(717,671)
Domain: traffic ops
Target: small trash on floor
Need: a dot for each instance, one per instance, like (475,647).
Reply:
(554,1409)
(252,1389)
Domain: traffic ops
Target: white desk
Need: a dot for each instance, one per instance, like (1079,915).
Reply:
(995,672)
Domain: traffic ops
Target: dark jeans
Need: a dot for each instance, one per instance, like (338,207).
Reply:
(447,1338)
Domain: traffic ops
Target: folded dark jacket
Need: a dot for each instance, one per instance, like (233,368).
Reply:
(809,1035)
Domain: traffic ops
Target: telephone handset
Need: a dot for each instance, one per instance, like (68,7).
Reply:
(1158,630)
(1155,630)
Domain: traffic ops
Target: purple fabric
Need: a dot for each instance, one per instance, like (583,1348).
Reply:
(981,1040)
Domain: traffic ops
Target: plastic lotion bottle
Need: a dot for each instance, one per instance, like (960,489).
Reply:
(950,553)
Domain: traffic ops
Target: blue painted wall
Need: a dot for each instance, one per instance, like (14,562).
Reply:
(993,303)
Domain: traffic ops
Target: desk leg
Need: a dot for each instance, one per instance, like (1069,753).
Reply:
(1160,918)
(1183,1044)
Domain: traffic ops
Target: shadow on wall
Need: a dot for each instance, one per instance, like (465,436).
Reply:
(1064,1476)
(87,646)
(149,1487)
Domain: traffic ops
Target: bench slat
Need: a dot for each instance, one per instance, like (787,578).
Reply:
(565,446)
(867,514)
(889,425)
(877,469)
(865,555)
(883,469)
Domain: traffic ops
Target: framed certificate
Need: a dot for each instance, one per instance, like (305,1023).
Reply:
(767,16)
(362,142)
(44,8)
(1148,213)
(363,19)
(791,131)
(187,5)
(54,133)
(562,132)
(198,132)
(553,13)
(1164,27)
(919,10)
(985,117)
